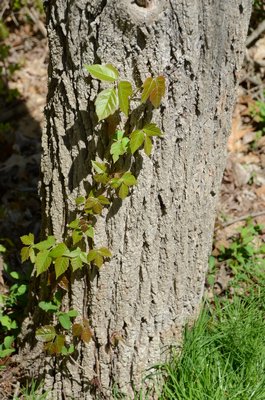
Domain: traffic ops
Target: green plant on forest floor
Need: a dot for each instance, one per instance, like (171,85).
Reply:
(11,309)
(245,257)
(257,111)
(112,181)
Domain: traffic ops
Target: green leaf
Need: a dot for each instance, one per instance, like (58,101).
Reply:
(74,224)
(72,313)
(65,321)
(158,92)
(115,183)
(61,265)
(22,289)
(66,351)
(123,191)
(100,168)
(76,263)
(45,334)
(48,306)
(75,253)
(5,352)
(43,261)
(103,200)
(152,130)
(98,260)
(105,72)
(101,178)
(106,103)
(24,253)
(93,205)
(32,255)
(77,236)
(91,255)
(124,92)
(83,257)
(45,244)
(8,341)
(147,146)
(97,256)
(27,239)
(80,200)
(2,248)
(137,139)
(90,232)
(129,179)
(7,322)
(60,250)
(148,87)
(119,147)
(105,252)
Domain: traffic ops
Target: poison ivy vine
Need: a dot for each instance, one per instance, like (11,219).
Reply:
(61,260)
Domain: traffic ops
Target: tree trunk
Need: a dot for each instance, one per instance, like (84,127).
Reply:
(161,235)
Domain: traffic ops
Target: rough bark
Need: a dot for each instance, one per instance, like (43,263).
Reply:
(161,235)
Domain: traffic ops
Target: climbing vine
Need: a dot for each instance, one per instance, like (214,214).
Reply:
(59,260)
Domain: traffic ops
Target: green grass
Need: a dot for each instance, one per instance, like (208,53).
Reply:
(223,355)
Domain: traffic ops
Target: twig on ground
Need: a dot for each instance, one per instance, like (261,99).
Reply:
(256,33)
(242,218)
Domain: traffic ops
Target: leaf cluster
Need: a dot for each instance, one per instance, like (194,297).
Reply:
(109,181)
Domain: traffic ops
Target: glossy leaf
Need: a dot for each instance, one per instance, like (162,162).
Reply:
(65,321)
(106,103)
(123,191)
(27,239)
(80,200)
(148,87)
(124,92)
(77,330)
(158,92)
(148,146)
(58,251)
(32,255)
(105,72)
(74,224)
(66,351)
(72,313)
(76,263)
(100,168)
(129,179)
(61,265)
(43,261)
(24,253)
(76,236)
(101,178)
(86,334)
(90,232)
(48,306)
(120,146)
(45,244)
(56,346)
(103,200)
(46,333)
(137,139)
(152,130)
(105,252)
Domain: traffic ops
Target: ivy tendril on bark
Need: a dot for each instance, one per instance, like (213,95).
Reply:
(60,260)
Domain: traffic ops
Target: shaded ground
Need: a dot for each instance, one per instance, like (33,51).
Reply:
(243,187)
